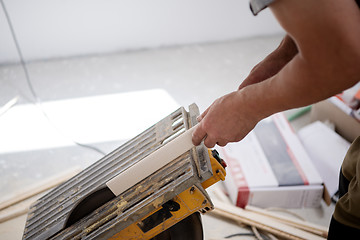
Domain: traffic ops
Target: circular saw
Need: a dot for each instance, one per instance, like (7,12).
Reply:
(151,187)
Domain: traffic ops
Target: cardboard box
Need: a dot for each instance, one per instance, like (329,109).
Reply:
(270,168)
(335,111)
(327,150)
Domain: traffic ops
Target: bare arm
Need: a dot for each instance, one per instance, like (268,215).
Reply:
(273,63)
(327,36)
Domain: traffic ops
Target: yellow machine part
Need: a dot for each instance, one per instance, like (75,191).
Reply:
(190,201)
(219,172)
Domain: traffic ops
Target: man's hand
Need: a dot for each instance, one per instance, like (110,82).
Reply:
(228,119)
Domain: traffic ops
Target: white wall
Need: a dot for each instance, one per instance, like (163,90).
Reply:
(59,28)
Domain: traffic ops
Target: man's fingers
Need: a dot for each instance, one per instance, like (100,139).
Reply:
(198,134)
(209,142)
(199,118)
(222,143)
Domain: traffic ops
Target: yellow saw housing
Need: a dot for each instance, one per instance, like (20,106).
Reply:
(188,202)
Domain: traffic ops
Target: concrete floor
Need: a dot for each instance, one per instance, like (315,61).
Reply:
(195,73)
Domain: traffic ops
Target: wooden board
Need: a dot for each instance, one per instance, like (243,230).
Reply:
(41,187)
(262,222)
(307,226)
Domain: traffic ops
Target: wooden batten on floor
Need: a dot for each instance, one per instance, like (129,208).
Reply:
(20,203)
(262,222)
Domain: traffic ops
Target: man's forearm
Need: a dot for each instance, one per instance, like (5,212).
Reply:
(328,59)
(296,85)
(273,63)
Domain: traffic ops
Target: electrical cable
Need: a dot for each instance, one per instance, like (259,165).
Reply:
(22,62)
(254,233)
(247,234)
(240,234)
(37,100)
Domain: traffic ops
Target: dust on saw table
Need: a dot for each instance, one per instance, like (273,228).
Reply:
(164,205)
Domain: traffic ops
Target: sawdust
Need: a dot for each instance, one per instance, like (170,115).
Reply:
(60,199)
(158,202)
(120,206)
(139,188)
(60,208)
(97,224)
(75,190)
(30,215)
(74,199)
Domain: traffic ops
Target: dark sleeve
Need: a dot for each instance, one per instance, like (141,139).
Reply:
(257,5)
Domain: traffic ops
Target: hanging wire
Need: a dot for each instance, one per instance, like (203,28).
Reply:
(37,100)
